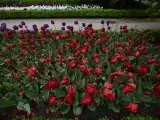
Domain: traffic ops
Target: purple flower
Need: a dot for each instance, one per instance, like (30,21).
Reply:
(68,27)
(52,22)
(89,25)
(32,31)
(63,28)
(76,22)
(83,24)
(71,28)
(4,25)
(47,30)
(46,25)
(13,31)
(107,22)
(27,31)
(132,29)
(20,26)
(102,21)
(23,23)
(2,28)
(34,26)
(109,28)
(15,27)
(63,24)
(57,33)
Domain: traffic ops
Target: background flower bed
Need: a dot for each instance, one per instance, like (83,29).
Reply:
(92,13)
(36,2)
(53,7)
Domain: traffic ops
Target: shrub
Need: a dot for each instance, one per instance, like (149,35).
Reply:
(91,13)
(131,117)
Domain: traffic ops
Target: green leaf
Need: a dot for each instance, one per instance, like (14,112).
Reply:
(77,96)
(27,108)
(119,67)
(152,67)
(54,73)
(6,103)
(112,107)
(75,103)
(23,106)
(81,83)
(91,108)
(77,110)
(104,78)
(126,99)
(43,77)
(30,94)
(45,93)
(146,98)
(20,105)
(59,93)
(131,58)
(97,100)
(65,110)
(54,109)
(147,105)
(137,99)
(108,71)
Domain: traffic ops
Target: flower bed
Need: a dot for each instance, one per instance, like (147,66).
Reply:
(70,70)
(52,7)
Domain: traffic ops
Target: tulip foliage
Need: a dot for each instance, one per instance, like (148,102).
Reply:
(70,70)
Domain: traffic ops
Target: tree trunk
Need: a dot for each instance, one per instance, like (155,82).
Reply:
(140,3)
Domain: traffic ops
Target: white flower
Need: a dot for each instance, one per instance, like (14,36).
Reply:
(54,7)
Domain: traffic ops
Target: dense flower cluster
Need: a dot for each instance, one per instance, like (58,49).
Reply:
(53,7)
(71,69)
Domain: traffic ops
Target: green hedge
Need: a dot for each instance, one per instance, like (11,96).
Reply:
(131,117)
(92,13)
(30,2)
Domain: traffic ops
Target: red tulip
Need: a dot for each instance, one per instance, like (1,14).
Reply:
(110,95)
(88,71)
(90,88)
(128,88)
(52,99)
(84,50)
(71,90)
(96,60)
(143,69)
(128,65)
(151,61)
(108,85)
(69,99)
(87,99)
(137,54)
(83,68)
(95,55)
(113,60)
(130,75)
(157,87)
(128,52)
(73,64)
(133,107)
(98,70)
(65,81)
(84,61)
(105,49)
